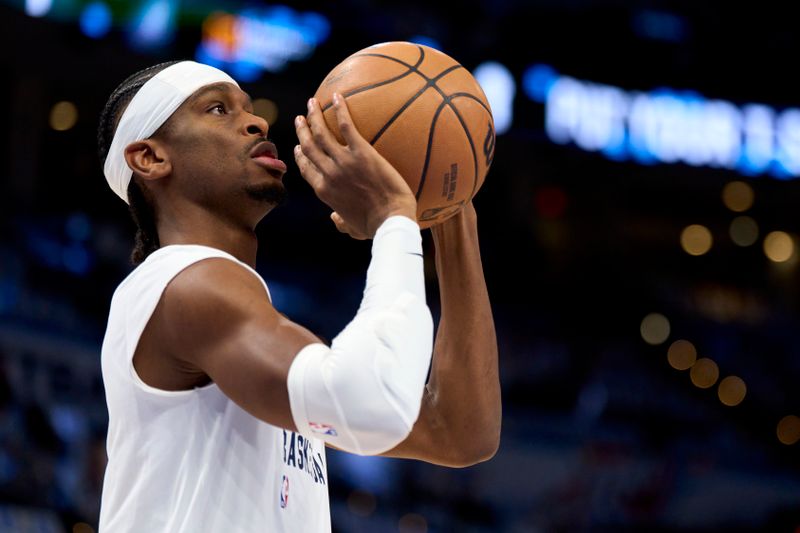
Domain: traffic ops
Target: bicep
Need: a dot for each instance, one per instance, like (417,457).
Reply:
(223,324)
(251,364)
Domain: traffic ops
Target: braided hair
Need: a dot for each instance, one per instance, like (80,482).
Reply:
(141,208)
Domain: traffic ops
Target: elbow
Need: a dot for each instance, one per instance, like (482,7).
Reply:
(462,446)
(488,450)
(485,448)
(473,451)
(479,452)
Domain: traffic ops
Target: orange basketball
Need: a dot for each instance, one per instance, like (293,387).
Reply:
(425,113)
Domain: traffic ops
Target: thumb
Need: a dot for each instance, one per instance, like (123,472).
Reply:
(341,225)
(344,227)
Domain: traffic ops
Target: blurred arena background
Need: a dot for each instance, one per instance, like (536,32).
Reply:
(639,233)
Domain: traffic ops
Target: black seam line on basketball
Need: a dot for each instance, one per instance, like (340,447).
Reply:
(446,71)
(398,113)
(471,97)
(428,150)
(471,145)
(430,83)
(368,87)
(415,69)
(411,68)
(414,66)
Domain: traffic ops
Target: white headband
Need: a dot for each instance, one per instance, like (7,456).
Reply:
(150,107)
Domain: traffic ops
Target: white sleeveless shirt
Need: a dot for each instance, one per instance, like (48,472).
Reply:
(193,461)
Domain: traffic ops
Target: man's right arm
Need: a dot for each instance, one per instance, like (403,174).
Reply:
(216,319)
(362,394)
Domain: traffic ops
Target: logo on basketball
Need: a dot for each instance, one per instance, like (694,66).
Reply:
(449,182)
(444,212)
(488,145)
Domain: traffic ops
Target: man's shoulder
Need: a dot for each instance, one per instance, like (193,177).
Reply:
(213,276)
(209,302)
(190,273)
(215,288)
(171,261)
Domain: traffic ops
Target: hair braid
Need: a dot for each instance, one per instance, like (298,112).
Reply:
(141,209)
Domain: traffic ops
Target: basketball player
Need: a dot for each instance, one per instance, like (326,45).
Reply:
(219,406)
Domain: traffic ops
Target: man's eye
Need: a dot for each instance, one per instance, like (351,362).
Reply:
(218,109)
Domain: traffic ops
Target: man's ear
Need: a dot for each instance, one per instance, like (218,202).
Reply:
(148,159)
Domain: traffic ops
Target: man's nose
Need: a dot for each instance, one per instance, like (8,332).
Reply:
(257,126)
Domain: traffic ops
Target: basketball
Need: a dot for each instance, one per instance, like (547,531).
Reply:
(422,111)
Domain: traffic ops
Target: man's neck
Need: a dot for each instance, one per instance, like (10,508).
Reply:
(239,241)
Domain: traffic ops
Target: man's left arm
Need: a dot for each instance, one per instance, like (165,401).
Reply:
(459,422)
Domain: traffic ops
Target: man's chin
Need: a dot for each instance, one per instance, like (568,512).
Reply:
(273,193)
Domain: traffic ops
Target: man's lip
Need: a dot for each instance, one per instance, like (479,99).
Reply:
(264,148)
(266,155)
(270,163)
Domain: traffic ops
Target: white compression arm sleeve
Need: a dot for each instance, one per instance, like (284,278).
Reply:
(363,394)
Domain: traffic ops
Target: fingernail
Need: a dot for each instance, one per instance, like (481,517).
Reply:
(337,99)
(298,120)
(310,104)
(297,149)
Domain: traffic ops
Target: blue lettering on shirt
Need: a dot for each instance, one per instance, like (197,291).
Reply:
(299,453)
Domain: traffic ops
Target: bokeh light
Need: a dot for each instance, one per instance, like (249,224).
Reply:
(63,115)
(681,355)
(498,83)
(413,523)
(704,373)
(654,328)
(550,201)
(732,390)
(743,231)
(266,109)
(38,8)
(361,503)
(696,239)
(789,430)
(778,246)
(738,196)
(96,18)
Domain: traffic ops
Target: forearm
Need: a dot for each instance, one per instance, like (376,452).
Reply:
(363,393)
(460,417)
(464,385)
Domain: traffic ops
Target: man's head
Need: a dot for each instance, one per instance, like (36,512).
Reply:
(182,136)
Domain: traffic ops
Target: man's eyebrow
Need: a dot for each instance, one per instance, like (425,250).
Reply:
(218,87)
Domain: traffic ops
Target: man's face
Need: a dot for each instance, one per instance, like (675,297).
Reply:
(219,154)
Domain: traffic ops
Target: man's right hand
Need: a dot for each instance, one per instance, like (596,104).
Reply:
(358,183)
